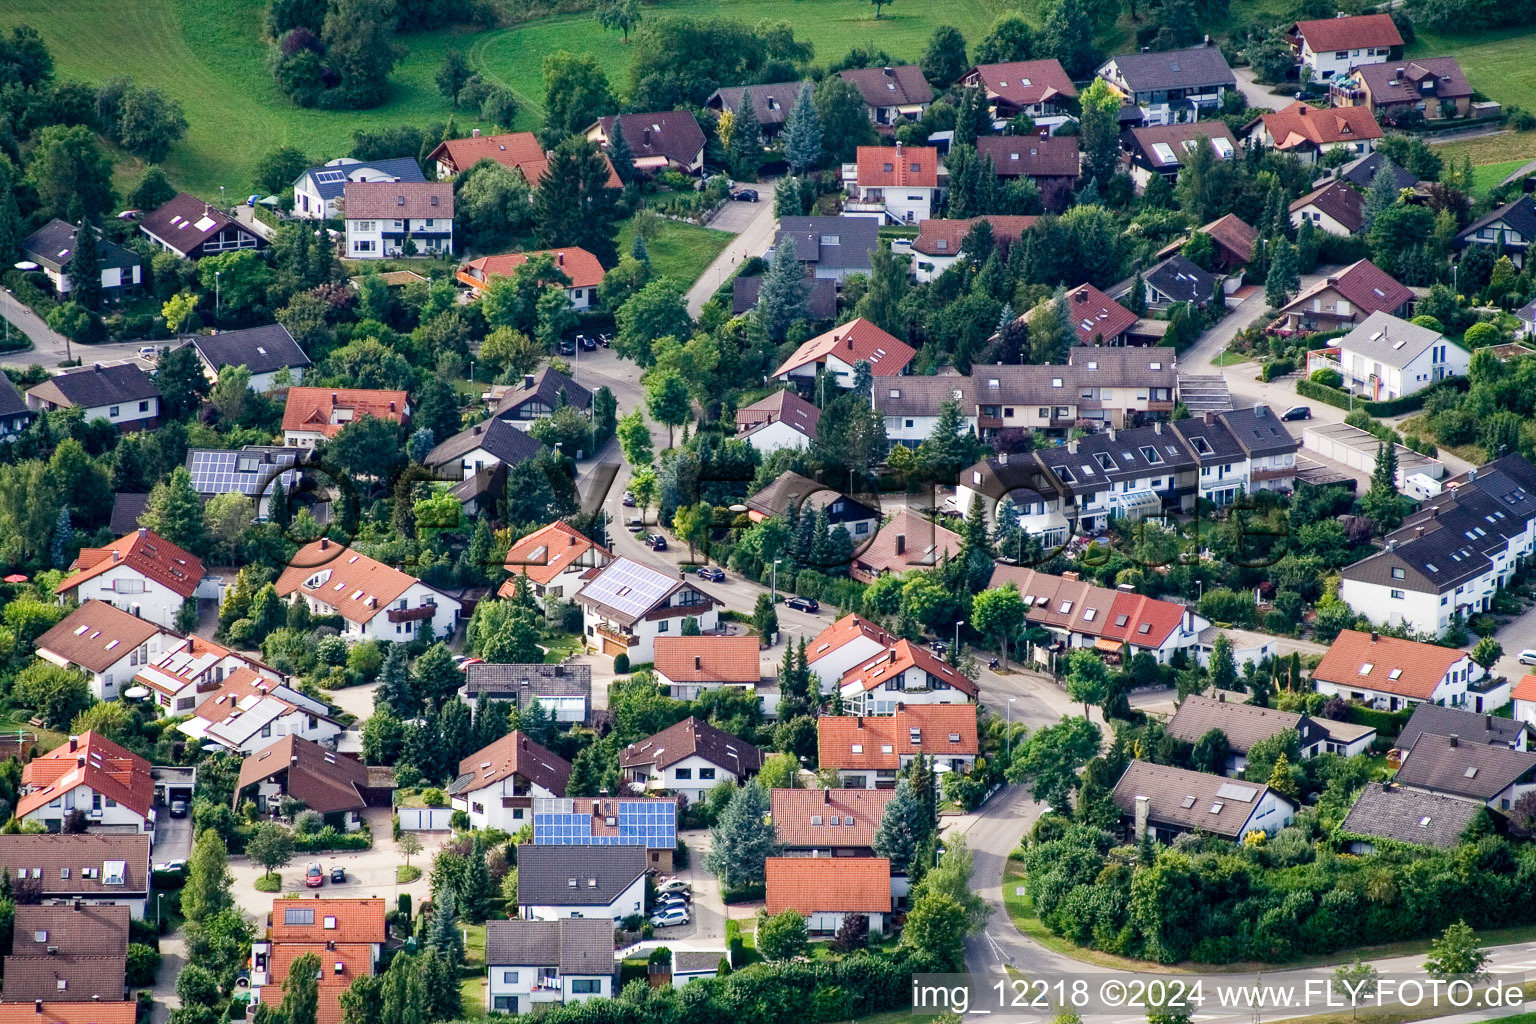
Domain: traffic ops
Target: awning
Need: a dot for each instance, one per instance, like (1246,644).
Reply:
(1108,646)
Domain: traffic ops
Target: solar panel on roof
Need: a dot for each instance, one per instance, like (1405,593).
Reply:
(326,177)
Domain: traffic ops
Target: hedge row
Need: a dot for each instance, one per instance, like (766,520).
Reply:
(1339,398)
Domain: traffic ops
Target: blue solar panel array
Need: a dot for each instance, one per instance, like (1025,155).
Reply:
(640,823)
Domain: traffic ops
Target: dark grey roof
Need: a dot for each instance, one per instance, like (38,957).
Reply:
(12,402)
(498,437)
(545,874)
(546,387)
(1468,726)
(1210,440)
(186,222)
(1095,461)
(249,471)
(525,682)
(97,386)
(697,961)
(126,509)
(330,181)
(1175,69)
(1519,215)
(1527,312)
(1444,764)
(790,488)
(1190,800)
(1243,724)
(771,103)
(1362,172)
(1259,431)
(837,243)
(576,945)
(258,349)
(925,396)
(1410,816)
(821,302)
(1181,280)
(673,134)
(53,245)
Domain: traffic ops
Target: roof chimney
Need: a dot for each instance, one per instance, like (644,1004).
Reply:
(1143,812)
(858,721)
(74,742)
(1454,739)
(38,1005)
(325,542)
(698,663)
(143,531)
(559,259)
(96,367)
(901,543)
(645,137)
(1081,296)
(826,796)
(889,72)
(474,133)
(391,405)
(527,380)
(333,399)
(1375,636)
(1487,721)
(1221,696)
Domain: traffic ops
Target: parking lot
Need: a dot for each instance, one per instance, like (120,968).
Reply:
(707,926)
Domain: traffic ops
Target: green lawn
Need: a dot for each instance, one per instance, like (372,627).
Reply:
(1486,176)
(678,250)
(1497,63)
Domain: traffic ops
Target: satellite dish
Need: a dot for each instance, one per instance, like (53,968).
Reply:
(136,692)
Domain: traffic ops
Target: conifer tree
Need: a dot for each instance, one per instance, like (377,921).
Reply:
(802,133)
(746,149)
(84,267)
(620,155)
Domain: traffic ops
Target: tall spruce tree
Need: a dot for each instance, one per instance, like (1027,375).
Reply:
(85,267)
(903,827)
(1381,194)
(746,149)
(785,292)
(620,155)
(742,839)
(802,133)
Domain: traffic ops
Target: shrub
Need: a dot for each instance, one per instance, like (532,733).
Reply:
(143,964)
(1328,378)
(269,883)
(434,797)
(620,664)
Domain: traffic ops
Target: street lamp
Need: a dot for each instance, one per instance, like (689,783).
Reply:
(216,275)
(1200,594)
(958,624)
(1008,730)
(774,590)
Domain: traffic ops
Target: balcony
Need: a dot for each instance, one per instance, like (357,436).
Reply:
(426,611)
(628,640)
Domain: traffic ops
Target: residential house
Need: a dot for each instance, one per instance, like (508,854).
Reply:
(295,768)
(391,219)
(1511,229)
(538,396)
(826,891)
(66,978)
(1386,811)
(123,395)
(347,935)
(782,420)
(891,93)
(52,247)
(578,265)
(693,964)
(496,785)
(893,184)
(192,229)
(830,247)
(1307,132)
(554,558)
(1470,726)
(626,606)
(1045,160)
(1342,300)
(1452,553)
(1495,776)
(376,601)
(1525,315)
(1080,614)
(1385,358)
(828,822)
(189,667)
(1178,279)
(771,103)
(74,954)
(664,140)
(839,350)
(1390,673)
(905,676)
(40,1012)
(1334,46)
(265,351)
(127,507)
(532,964)
(848,642)
(1361,171)
(867,753)
(690,665)
(791,494)
(906,541)
(493,442)
(1234,243)
(1163,148)
(1525,700)
(255,471)
(1097,318)
(92,868)
(605,882)
(564,692)
(938,245)
(1171,801)
(1334,208)
(317,193)
(108,784)
(249,712)
(106,644)
(642,822)
(315,415)
(1245,725)
(1240,452)
(1172,85)
(1037,89)
(14,414)
(689,758)
(516,151)
(820,298)
(1433,88)
(142,574)
(911,406)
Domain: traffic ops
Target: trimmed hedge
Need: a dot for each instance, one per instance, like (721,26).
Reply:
(329,838)
(1339,398)
(1388,724)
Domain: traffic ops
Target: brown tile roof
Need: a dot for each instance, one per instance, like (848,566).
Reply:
(898,167)
(97,635)
(145,552)
(1096,316)
(326,781)
(709,659)
(1338,201)
(354,959)
(88,760)
(87,929)
(398,200)
(843,631)
(902,86)
(349,581)
(45,855)
(1401,81)
(1030,156)
(547,552)
(1444,764)
(73,978)
(1243,724)
(513,754)
(1300,124)
(781,406)
(689,737)
(902,656)
(186,222)
(1234,235)
(55,1012)
(1181,140)
(1091,610)
(922,543)
(812,885)
(518,151)
(309,409)
(938,237)
(671,134)
(1023,83)
(823,818)
(1404,667)
(838,735)
(335,919)
(1369,288)
(1186,799)
(855,340)
(572,261)
(1361,30)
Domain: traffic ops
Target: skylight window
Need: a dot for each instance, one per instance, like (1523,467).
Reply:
(1066,606)
(1365,669)
(1150,454)
(1396,673)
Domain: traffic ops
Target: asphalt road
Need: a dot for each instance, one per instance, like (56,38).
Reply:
(754,234)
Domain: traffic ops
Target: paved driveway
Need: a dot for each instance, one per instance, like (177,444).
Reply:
(707,928)
(173,836)
(737,217)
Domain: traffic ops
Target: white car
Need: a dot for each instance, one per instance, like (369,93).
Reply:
(669,917)
(1528,657)
(673,885)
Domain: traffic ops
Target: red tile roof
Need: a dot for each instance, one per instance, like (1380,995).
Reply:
(349,581)
(1091,610)
(88,760)
(309,409)
(513,754)
(1362,30)
(517,150)
(96,636)
(922,543)
(708,659)
(145,552)
(902,656)
(855,340)
(898,167)
(857,814)
(1097,317)
(68,1013)
(845,630)
(1300,124)
(829,885)
(1419,667)
(1369,288)
(336,919)
(1525,689)
(354,959)
(838,735)
(547,552)
(572,261)
(1026,82)
(326,781)
(936,237)
(398,200)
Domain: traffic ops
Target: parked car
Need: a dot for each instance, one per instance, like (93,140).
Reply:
(586,343)
(669,917)
(683,896)
(667,885)
(171,867)
(745,195)
(604,340)
(314,876)
(338,875)
(566,347)
(629,499)
(712,574)
(178,808)
(149,352)
(656,542)
(463,661)
(804,604)
(636,525)
(666,903)
(1298,412)
(1528,657)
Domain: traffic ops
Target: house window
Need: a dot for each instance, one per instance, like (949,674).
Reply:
(585,986)
(363,246)
(112,411)
(509,977)
(684,773)
(1397,595)
(706,774)
(661,627)
(294,915)
(1397,573)
(144,406)
(504,1003)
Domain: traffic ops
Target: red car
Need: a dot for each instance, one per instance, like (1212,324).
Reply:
(314,876)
